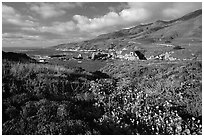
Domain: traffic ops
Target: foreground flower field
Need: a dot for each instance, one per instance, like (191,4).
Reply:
(135,99)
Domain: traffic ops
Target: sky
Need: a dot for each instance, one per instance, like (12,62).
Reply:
(43,24)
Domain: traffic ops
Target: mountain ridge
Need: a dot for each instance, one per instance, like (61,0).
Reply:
(189,25)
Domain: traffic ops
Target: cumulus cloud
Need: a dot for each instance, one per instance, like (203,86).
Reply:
(11,16)
(48,10)
(133,13)
(125,17)
(86,24)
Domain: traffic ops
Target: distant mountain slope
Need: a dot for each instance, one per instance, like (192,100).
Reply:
(188,26)
(19,57)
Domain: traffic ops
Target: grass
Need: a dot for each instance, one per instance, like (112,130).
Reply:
(134,98)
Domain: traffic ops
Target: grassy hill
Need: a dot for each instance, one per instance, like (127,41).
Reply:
(185,28)
(135,98)
(19,57)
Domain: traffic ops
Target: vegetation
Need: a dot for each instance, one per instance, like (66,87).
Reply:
(19,57)
(177,47)
(157,99)
(135,99)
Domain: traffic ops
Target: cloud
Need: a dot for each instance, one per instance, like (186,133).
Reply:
(119,7)
(6,10)
(86,24)
(133,13)
(11,16)
(19,36)
(111,19)
(48,10)
(181,8)
(59,27)
(57,30)
(68,5)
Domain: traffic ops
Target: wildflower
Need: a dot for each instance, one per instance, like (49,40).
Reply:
(178,129)
(187,131)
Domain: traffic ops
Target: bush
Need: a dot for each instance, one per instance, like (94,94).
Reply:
(42,99)
(177,47)
(151,100)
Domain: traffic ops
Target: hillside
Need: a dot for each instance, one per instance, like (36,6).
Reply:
(19,57)
(184,29)
(42,99)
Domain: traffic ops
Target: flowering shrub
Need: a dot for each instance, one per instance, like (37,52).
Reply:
(133,112)
(155,101)
(149,100)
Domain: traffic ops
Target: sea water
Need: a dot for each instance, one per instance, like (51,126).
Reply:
(87,64)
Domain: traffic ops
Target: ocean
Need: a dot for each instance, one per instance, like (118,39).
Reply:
(88,65)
